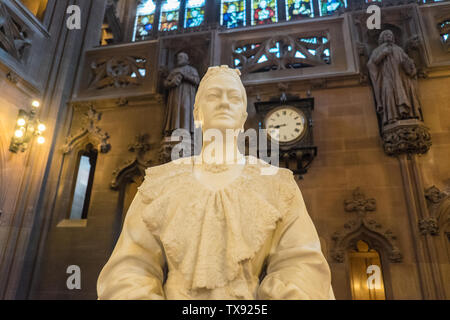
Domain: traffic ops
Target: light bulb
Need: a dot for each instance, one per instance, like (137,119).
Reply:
(42,127)
(18,133)
(41,140)
(35,104)
(21,122)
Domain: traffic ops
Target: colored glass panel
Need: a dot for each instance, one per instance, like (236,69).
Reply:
(331,6)
(145,17)
(170,11)
(232,13)
(264,11)
(297,9)
(195,13)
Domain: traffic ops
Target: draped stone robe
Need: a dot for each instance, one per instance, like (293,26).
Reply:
(393,80)
(217,244)
(180,102)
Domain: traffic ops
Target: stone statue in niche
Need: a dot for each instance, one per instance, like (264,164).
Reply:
(218,221)
(182,84)
(394,76)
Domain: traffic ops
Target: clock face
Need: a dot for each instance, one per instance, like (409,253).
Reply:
(290,122)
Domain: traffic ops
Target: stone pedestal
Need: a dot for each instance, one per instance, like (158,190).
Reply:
(406,137)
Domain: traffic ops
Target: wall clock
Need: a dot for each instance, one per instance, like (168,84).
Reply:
(290,125)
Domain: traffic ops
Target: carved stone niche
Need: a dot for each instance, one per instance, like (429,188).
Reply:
(196,45)
(404,22)
(406,137)
(363,228)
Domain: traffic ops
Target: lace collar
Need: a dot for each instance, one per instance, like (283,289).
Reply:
(207,234)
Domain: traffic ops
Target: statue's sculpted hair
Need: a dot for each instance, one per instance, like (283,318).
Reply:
(213,72)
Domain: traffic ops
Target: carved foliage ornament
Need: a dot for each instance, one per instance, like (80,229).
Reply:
(14,37)
(281,52)
(90,131)
(413,138)
(365,228)
(118,72)
(439,208)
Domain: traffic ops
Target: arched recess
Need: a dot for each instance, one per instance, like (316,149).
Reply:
(377,238)
(128,177)
(88,134)
(126,180)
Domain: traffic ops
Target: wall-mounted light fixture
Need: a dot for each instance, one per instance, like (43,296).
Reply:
(27,127)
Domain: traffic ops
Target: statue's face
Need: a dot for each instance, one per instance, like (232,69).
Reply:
(388,37)
(182,59)
(222,104)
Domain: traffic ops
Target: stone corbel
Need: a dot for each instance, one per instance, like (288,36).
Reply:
(406,137)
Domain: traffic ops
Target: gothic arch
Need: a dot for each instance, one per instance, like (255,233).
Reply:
(369,231)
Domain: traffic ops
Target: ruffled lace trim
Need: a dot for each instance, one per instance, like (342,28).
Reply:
(208,234)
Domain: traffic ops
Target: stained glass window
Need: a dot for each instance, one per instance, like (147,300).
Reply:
(297,9)
(445,31)
(195,13)
(170,11)
(232,13)
(264,11)
(145,17)
(331,6)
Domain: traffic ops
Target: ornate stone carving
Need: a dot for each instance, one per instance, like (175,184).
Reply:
(12,77)
(407,136)
(89,130)
(134,166)
(429,226)
(439,209)
(362,227)
(359,203)
(281,52)
(13,34)
(118,72)
(434,195)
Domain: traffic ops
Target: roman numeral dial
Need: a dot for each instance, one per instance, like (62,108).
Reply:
(285,124)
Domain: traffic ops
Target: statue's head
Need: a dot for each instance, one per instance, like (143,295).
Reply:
(182,59)
(387,36)
(221,101)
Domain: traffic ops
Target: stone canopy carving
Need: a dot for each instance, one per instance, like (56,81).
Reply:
(363,228)
(89,131)
(134,166)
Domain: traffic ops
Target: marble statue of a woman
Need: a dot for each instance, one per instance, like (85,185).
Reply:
(210,228)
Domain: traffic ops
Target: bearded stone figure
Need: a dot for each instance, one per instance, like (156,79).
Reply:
(219,225)
(393,76)
(182,85)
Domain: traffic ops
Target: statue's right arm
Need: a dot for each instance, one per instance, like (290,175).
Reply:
(135,268)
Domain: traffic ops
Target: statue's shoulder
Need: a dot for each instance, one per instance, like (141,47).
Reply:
(169,169)
(265,169)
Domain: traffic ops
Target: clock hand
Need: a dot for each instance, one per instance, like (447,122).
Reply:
(280,125)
